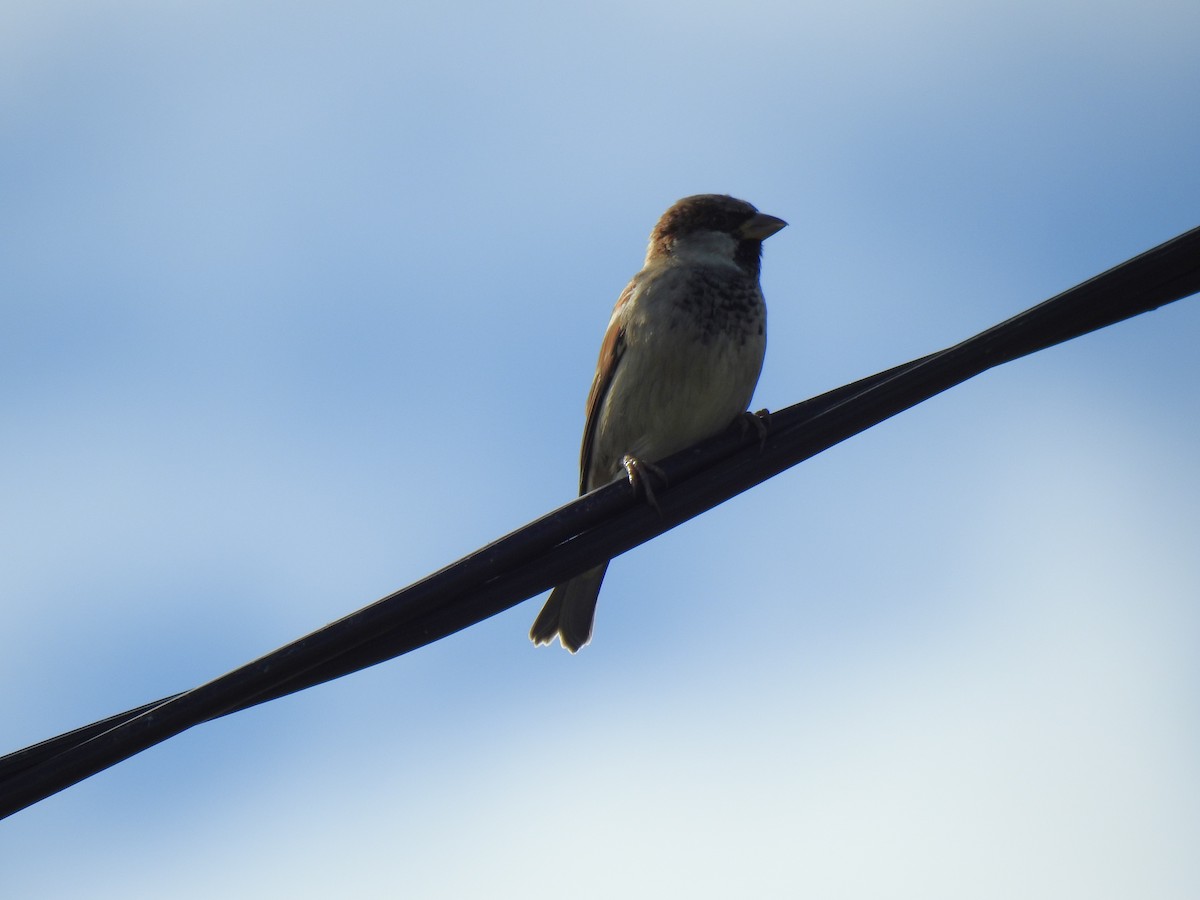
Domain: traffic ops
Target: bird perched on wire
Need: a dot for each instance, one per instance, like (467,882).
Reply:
(678,364)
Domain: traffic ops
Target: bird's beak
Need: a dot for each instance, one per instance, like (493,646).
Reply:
(761,227)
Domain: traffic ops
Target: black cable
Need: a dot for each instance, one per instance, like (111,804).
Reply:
(379,650)
(600,525)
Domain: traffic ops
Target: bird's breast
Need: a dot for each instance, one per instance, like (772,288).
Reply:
(694,347)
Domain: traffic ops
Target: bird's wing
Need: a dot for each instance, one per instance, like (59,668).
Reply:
(612,348)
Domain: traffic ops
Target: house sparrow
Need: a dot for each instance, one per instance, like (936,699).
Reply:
(678,364)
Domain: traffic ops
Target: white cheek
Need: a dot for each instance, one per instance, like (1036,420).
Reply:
(706,248)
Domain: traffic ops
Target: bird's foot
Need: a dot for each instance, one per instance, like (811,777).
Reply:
(760,421)
(639,472)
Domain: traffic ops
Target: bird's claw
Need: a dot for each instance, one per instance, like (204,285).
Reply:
(639,472)
(760,421)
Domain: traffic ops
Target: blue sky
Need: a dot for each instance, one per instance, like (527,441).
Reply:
(302,301)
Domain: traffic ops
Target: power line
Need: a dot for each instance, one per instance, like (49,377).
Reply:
(598,526)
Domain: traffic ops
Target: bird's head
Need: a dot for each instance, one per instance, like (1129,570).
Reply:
(713,225)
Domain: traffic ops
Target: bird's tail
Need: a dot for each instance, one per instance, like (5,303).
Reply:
(568,612)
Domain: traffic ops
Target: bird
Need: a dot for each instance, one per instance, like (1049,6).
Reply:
(679,363)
